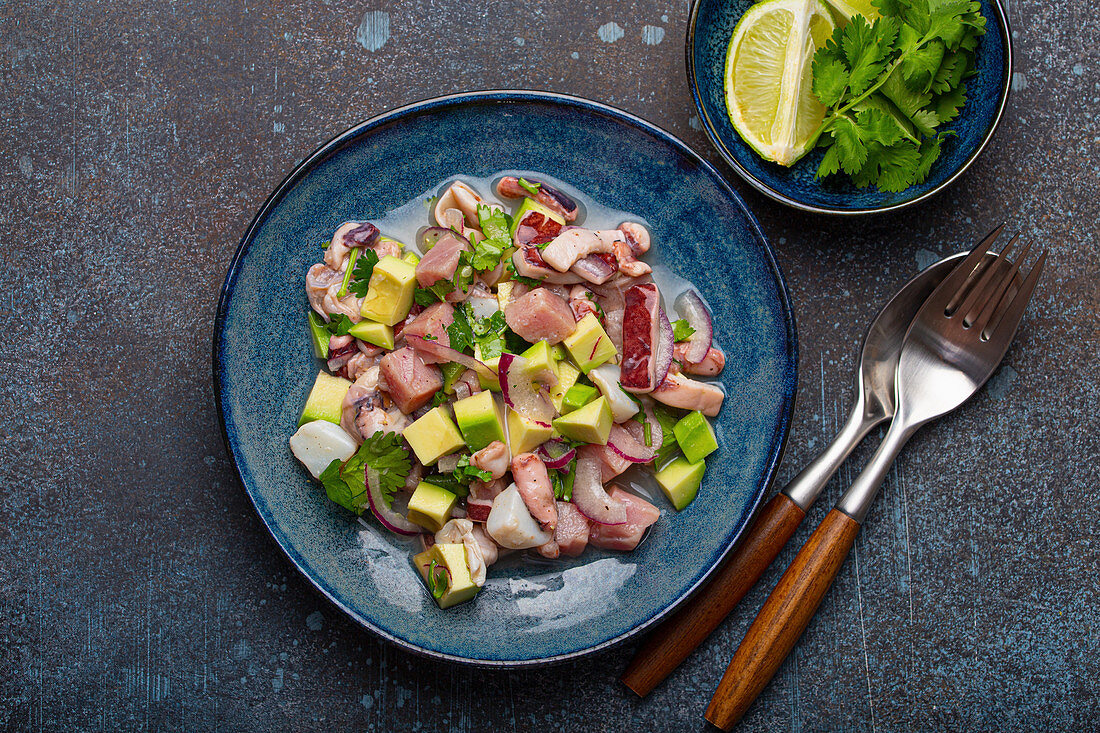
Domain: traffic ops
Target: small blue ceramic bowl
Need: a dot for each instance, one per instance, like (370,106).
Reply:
(263,369)
(710,27)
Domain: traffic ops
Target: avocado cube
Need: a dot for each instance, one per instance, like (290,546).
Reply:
(318,335)
(577,397)
(325,399)
(478,418)
(589,344)
(430,506)
(378,334)
(540,360)
(390,291)
(452,370)
(589,424)
(504,292)
(695,436)
(433,436)
(451,568)
(524,434)
(529,206)
(494,364)
(412,258)
(567,377)
(680,481)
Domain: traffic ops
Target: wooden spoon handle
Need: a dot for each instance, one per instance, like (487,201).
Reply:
(783,618)
(675,638)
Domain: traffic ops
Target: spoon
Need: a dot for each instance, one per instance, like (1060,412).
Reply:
(672,641)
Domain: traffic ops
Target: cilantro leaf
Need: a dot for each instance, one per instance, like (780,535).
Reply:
(681,330)
(433,293)
(381,453)
(360,276)
(495,226)
(830,80)
(488,334)
(338,325)
(460,332)
(830,163)
(458,481)
(850,145)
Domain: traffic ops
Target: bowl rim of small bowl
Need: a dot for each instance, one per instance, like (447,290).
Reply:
(1003,26)
(333,145)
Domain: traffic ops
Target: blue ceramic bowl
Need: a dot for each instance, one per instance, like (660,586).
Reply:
(263,368)
(710,27)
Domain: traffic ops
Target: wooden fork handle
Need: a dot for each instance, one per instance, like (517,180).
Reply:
(783,618)
(675,638)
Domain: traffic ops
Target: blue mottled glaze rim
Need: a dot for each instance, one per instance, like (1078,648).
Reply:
(843,199)
(787,376)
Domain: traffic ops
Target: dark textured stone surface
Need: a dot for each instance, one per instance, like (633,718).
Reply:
(138,590)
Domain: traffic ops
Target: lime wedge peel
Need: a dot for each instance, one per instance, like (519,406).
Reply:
(768,77)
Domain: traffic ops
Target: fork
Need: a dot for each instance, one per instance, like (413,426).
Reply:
(953,345)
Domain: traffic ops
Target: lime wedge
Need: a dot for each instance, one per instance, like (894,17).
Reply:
(848,9)
(769,76)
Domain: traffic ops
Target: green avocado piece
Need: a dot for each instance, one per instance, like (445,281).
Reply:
(433,435)
(452,370)
(524,434)
(695,436)
(378,334)
(577,397)
(540,360)
(390,291)
(430,506)
(680,481)
(319,335)
(325,399)
(589,424)
(530,205)
(451,568)
(589,344)
(567,377)
(494,364)
(478,418)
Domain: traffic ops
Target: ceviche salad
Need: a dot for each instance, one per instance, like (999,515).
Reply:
(485,389)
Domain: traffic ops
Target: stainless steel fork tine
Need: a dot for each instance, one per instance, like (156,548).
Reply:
(979,294)
(990,305)
(964,274)
(1004,327)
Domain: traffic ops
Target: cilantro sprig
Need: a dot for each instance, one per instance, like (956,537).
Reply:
(346,483)
(681,330)
(890,86)
(489,334)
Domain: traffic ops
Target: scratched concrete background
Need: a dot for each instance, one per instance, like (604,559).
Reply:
(138,591)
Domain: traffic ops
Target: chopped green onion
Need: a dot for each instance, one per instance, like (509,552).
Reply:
(436,584)
(347,273)
(648,432)
(531,188)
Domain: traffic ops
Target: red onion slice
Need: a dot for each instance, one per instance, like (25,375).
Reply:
(390,519)
(446,353)
(596,268)
(666,343)
(556,454)
(624,445)
(694,311)
(589,496)
(520,393)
